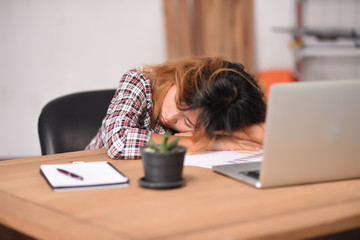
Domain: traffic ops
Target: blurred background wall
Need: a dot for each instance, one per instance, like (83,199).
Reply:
(52,48)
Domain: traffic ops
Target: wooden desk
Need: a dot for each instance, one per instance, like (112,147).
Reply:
(210,206)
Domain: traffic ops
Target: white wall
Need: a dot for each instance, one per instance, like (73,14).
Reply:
(272,49)
(52,48)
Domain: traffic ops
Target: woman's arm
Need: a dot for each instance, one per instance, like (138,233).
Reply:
(253,133)
(250,139)
(126,126)
(183,140)
(227,143)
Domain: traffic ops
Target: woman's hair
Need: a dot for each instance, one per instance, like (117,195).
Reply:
(228,96)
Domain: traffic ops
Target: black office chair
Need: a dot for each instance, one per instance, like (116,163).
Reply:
(69,123)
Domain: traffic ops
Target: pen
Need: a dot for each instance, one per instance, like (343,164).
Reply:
(73,175)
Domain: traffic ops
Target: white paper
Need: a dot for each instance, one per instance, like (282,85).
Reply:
(212,158)
(94,174)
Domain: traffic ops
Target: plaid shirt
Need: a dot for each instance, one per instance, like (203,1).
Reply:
(126,126)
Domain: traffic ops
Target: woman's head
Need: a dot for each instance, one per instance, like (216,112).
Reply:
(172,115)
(226,96)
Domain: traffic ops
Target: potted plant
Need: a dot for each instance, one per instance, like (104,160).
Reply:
(163,164)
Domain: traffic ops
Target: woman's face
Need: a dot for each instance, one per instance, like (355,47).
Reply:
(172,117)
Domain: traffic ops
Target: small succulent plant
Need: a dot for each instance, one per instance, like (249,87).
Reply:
(164,146)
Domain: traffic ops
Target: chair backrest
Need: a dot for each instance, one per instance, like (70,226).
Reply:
(70,122)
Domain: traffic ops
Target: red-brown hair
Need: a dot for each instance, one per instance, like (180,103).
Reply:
(228,96)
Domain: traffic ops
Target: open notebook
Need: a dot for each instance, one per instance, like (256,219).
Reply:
(82,176)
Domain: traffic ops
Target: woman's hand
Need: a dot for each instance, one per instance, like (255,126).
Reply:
(227,143)
(184,134)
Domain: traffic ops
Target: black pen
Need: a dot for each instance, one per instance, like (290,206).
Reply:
(73,175)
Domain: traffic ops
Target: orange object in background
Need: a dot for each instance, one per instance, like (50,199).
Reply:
(268,78)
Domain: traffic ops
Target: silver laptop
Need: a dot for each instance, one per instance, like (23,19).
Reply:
(312,135)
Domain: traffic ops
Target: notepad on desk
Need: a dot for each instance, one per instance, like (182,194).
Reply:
(83,176)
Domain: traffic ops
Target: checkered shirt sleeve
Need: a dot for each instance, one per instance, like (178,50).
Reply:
(126,126)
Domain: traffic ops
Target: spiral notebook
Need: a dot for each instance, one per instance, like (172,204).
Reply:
(83,176)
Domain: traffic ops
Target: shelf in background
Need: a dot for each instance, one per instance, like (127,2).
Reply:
(328,52)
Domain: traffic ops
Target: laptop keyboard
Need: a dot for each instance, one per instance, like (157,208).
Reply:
(253,174)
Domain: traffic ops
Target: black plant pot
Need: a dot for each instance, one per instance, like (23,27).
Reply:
(163,169)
